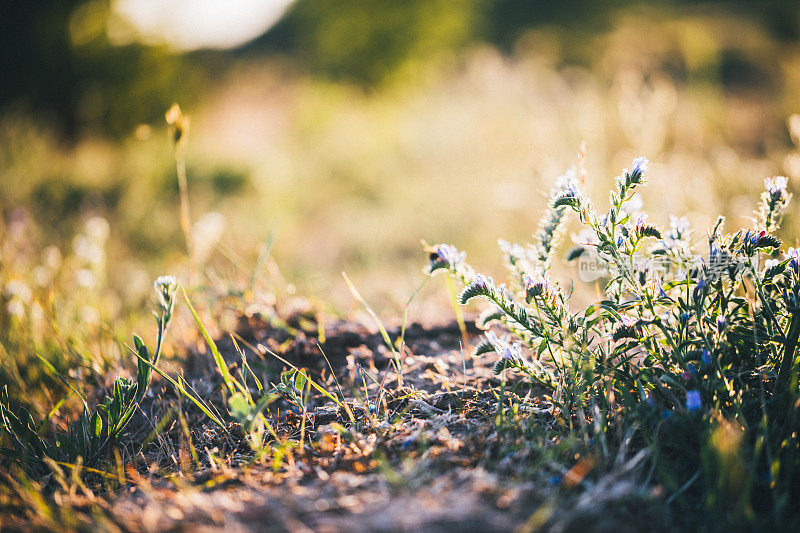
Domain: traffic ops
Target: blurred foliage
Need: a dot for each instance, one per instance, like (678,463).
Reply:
(367,41)
(58,64)
(59,61)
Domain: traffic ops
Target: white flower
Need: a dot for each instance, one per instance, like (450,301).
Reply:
(165,287)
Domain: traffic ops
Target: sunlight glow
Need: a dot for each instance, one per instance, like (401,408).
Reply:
(193,24)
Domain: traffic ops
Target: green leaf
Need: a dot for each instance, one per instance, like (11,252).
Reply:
(198,402)
(218,359)
(239,408)
(484,347)
(97,425)
(299,381)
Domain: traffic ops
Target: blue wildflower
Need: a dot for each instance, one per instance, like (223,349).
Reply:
(794,259)
(536,285)
(721,323)
(705,357)
(570,195)
(694,402)
(511,352)
(698,290)
(482,283)
(713,249)
(448,254)
(638,168)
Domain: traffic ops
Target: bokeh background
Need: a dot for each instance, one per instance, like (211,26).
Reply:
(335,134)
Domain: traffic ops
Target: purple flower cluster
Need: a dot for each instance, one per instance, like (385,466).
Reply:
(793,254)
(482,283)
(639,166)
(777,187)
(509,353)
(536,285)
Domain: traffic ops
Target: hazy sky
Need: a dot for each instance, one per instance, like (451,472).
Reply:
(190,24)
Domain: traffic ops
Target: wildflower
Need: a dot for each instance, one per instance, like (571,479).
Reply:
(685,316)
(165,288)
(793,254)
(654,285)
(699,289)
(448,255)
(482,282)
(643,229)
(721,323)
(510,352)
(641,221)
(677,238)
(570,195)
(713,250)
(502,292)
(705,356)
(536,285)
(639,167)
(480,287)
(694,402)
(606,221)
(765,240)
(774,201)
(777,186)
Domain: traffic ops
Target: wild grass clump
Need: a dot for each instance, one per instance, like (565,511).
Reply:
(95,432)
(688,355)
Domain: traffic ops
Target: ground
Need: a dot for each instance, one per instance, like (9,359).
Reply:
(434,455)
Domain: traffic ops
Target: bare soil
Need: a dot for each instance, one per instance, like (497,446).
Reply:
(426,453)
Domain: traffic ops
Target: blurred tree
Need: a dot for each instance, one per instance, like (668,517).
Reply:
(35,60)
(58,64)
(366,41)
